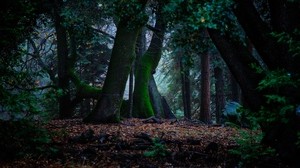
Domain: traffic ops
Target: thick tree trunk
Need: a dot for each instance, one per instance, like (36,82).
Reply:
(109,103)
(205,89)
(156,99)
(167,110)
(159,103)
(239,60)
(259,33)
(284,18)
(220,95)
(140,50)
(146,65)
(62,54)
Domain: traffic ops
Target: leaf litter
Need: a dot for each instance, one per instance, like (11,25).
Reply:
(186,143)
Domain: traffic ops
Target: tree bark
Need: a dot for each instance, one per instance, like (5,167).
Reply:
(146,65)
(220,95)
(62,55)
(185,88)
(239,61)
(235,90)
(109,103)
(156,99)
(284,18)
(205,89)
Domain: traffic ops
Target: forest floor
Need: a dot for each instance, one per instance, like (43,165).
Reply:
(133,143)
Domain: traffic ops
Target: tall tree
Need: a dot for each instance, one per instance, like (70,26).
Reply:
(131,21)
(146,65)
(185,87)
(219,87)
(205,115)
(62,55)
(276,55)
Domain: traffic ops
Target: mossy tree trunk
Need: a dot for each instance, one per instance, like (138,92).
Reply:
(109,103)
(146,65)
(82,89)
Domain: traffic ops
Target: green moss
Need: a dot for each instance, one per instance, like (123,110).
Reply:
(83,88)
(141,98)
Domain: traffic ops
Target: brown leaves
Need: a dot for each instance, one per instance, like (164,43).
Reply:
(123,144)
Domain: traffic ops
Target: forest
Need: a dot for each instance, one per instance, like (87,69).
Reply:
(149,83)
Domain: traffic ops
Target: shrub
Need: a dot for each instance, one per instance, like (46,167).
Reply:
(24,137)
(157,149)
(250,150)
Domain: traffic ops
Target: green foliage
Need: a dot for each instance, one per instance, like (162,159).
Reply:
(158,149)
(291,39)
(131,11)
(277,79)
(250,150)
(24,137)
(279,106)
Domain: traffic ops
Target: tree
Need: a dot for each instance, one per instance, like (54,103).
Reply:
(185,87)
(277,55)
(146,66)
(205,115)
(109,103)
(62,64)
(219,87)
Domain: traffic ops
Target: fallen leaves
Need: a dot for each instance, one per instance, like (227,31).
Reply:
(123,144)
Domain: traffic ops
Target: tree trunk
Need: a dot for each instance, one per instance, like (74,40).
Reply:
(239,61)
(109,103)
(167,110)
(284,18)
(205,89)
(140,50)
(131,86)
(235,90)
(145,67)
(220,95)
(156,99)
(185,88)
(62,55)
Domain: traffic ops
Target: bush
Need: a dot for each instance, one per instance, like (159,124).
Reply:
(158,149)
(23,137)
(250,150)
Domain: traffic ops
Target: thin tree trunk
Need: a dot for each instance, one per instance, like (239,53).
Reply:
(131,86)
(185,89)
(62,55)
(205,115)
(220,96)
